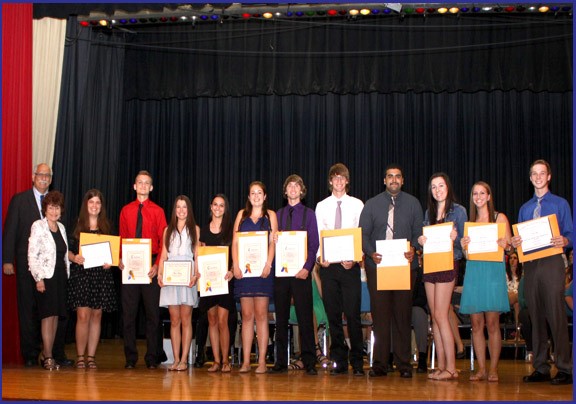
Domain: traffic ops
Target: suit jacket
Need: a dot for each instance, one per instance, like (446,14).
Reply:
(22,212)
(42,250)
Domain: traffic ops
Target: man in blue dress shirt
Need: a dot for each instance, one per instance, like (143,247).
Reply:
(544,281)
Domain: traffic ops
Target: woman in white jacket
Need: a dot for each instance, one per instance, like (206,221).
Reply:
(50,268)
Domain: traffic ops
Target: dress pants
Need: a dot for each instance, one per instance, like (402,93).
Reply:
(130,300)
(30,337)
(342,293)
(544,292)
(391,319)
(301,290)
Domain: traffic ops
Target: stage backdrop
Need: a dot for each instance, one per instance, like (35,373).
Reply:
(211,107)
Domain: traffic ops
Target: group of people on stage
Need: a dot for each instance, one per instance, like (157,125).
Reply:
(51,278)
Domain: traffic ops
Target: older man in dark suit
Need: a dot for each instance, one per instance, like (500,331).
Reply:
(25,209)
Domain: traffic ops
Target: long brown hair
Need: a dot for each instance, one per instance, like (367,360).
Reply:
(226,225)
(172,229)
(490,203)
(83,223)
(248,209)
(433,203)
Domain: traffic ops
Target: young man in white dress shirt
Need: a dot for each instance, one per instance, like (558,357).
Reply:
(341,288)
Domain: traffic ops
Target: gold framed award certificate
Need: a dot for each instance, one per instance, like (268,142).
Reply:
(137,259)
(177,273)
(252,252)
(291,252)
(212,266)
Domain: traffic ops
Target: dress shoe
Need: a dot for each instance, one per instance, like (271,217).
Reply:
(278,369)
(377,372)
(406,374)
(130,365)
(359,372)
(338,371)
(151,366)
(536,377)
(161,358)
(65,362)
(30,363)
(311,371)
(562,378)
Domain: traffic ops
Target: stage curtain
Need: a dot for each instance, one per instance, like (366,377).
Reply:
(48,46)
(16,144)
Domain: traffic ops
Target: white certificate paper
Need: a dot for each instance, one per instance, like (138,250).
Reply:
(212,268)
(535,234)
(483,239)
(392,252)
(97,254)
(437,239)
(290,252)
(177,273)
(137,258)
(338,248)
(253,253)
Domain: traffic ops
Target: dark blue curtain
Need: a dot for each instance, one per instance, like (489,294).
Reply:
(112,124)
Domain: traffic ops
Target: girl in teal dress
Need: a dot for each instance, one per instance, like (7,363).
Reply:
(485,292)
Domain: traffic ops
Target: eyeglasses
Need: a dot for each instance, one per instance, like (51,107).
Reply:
(45,175)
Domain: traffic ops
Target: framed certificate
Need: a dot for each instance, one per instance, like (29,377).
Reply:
(91,238)
(97,254)
(536,237)
(212,266)
(341,245)
(484,241)
(177,273)
(252,252)
(137,259)
(437,252)
(291,252)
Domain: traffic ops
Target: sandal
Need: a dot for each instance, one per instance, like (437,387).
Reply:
(434,374)
(182,366)
(80,362)
(478,377)
(91,363)
(261,369)
(214,368)
(244,369)
(174,366)
(451,375)
(50,364)
(493,377)
(320,357)
(296,365)
(226,368)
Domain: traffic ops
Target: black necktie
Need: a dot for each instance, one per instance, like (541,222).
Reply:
(289,222)
(41,199)
(139,222)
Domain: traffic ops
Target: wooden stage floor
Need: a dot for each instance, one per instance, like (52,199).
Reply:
(111,382)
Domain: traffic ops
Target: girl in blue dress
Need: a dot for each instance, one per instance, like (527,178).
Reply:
(485,293)
(255,293)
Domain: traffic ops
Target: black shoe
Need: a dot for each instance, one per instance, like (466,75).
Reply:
(311,371)
(161,358)
(377,372)
(338,371)
(30,363)
(359,372)
(65,362)
(151,366)
(200,359)
(536,377)
(278,369)
(422,366)
(406,374)
(461,354)
(561,378)
(130,365)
